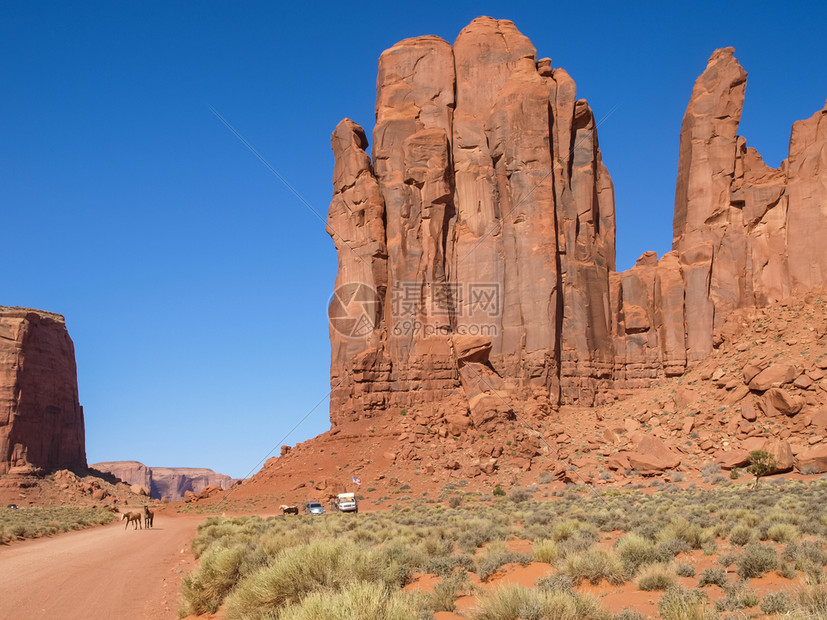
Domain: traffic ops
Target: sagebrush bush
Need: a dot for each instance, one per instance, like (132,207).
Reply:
(755,560)
(713,577)
(776,603)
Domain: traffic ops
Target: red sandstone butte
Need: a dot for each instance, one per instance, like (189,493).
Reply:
(486,172)
(41,420)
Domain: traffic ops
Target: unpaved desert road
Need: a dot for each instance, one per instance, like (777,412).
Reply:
(103,572)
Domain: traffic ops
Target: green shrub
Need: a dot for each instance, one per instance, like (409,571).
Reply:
(499,491)
(444,594)
(761,463)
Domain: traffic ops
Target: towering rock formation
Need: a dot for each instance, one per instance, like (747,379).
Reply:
(41,420)
(745,234)
(476,251)
(485,228)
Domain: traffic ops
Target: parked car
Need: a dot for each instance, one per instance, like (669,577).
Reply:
(346,502)
(314,508)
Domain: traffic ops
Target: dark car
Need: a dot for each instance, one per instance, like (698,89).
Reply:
(314,508)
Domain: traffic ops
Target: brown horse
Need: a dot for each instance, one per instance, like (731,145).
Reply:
(289,510)
(148,517)
(132,517)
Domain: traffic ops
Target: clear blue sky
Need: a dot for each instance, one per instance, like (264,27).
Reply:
(194,284)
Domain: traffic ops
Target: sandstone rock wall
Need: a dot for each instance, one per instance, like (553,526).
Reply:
(745,234)
(41,420)
(476,247)
(170,483)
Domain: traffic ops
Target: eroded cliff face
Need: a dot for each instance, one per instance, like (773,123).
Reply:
(41,420)
(745,235)
(476,247)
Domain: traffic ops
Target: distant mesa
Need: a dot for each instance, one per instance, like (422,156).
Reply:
(170,483)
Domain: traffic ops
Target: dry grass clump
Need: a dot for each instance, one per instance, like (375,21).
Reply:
(496,555)
(34,522)
(755,560)
(595,566)
(656,577)
(545,550)
(356,601)
(514,602)
(635,551)
(678,603)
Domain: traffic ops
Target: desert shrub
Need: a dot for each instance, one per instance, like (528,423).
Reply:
(499,491)
(301,570)
(595,566)
(445,565)
(710,469)
(503,603)
(569,606)
(738,596)
(455,501)
(810,470)
(741,535)
(685,570)
(545,551)
(656,577)
(35,521)
(776,603)
(783,533)
(813,600)
(682,530)
(727,559)
(755,560)
(519,495)
(678,603)
(356,601)
(444,594)
(734,473)
(204,590)
(629,614)
(556,583)
(496,555)
(635,551)
(713,577)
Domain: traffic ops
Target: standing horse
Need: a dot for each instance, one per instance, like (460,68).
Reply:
(132,517)
(148,517)
(289,510)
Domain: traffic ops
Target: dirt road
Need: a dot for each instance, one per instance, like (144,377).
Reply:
(104,572)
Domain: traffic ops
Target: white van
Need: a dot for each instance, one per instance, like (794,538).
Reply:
(346,502)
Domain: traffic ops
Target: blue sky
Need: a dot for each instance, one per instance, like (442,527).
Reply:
(194,284)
